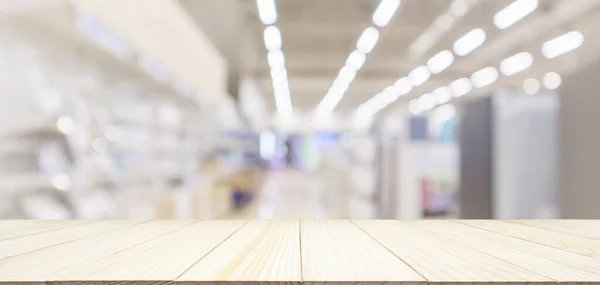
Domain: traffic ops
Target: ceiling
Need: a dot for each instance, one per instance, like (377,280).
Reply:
(318,36)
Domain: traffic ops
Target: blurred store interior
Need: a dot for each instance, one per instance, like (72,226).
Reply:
(299,109)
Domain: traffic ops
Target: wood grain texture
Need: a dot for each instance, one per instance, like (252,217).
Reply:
(444,261)
(163,258)
(16,246)
(34,227)
(261,251)
(559,265)
(167,252)
(49,263)
(583,228)
(568,242)
(338,251)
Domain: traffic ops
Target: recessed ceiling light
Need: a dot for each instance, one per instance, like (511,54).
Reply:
(469,42)
(531,86)
(514,13)
(516,63)
(562,44)
(552,80)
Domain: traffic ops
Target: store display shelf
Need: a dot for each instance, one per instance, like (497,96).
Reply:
(294,252)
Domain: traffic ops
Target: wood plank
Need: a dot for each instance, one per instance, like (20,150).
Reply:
(24,228)
(161,259)
(337,251)
(7,224)
(443,261)
(584,228)
(16,246)
(261,251)
(556,264)
(568,242)
(49,263)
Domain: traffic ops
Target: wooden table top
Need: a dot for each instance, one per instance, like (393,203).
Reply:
(328,251)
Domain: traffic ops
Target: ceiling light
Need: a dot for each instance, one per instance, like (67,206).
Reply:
(356,60)
(552,80)
(459,8)
(514,13)
(402,86)
(562,44)
(441,95)
(413,107)
(426,102)
(385,11)
(272,38)
(484,77)
(469,42)
(440,61)
(531,86)
(461,87)
(419,75)
(61,182)
(367,40)
(347,73)
(267,11)
(278,74)
(276,59)
(444,23)
(390,95)
(65,125)
(516,63)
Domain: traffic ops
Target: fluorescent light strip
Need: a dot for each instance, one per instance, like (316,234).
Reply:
(442,95)
(562,44)
(267,11)
(389,95)
(272,38)
(276,59)
(385,12)
(461,87)
(440,61)
(516,63)
(514,13)
(365,44)
(419,75)
(444,23)
(484,77)
(356,60)
(469,42)
(367,40)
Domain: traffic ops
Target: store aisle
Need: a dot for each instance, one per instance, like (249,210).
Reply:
(294,195)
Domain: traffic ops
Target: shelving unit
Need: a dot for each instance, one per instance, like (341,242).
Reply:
(93,130)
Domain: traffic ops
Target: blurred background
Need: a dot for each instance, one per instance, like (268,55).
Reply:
(289,109)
